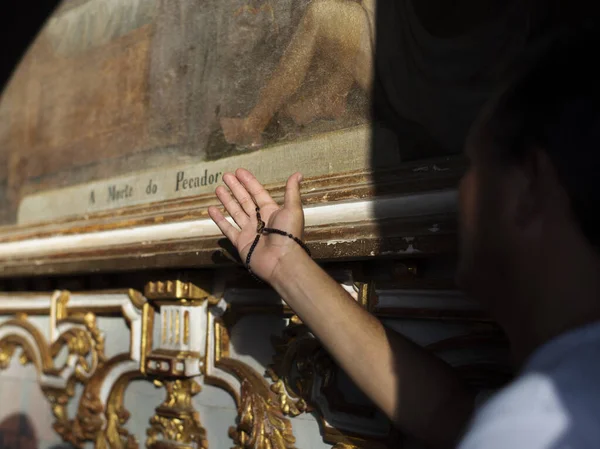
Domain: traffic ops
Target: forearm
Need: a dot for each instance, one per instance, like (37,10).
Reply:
(420,393)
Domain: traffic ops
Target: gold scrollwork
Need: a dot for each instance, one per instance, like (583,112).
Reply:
(85,426)
(82,344)
(288,405)
(94,422)
(7,350)
(86,344)
(86,363)
(261,424)
(176,423)
(115,436)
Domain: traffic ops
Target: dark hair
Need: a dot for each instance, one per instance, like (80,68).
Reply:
(555,105)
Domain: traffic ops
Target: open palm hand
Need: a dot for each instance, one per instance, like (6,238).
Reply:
(241,200)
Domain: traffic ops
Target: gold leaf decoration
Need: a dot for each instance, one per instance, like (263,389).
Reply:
(115,436)
(261,423)
(59,400)
(86,344)
(176,423)
(289,406)
(7,349)
(86,425)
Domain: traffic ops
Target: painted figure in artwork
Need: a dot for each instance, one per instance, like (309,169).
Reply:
(436,63)
(340,33)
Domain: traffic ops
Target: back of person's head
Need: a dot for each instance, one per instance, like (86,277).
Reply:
(528,217)
(554,105)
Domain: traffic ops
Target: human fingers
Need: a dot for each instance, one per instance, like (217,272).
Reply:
(243,197)
(226,228)
(292,199)
(256,189)
(232,206)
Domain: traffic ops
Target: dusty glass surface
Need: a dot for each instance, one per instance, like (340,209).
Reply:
(181,91)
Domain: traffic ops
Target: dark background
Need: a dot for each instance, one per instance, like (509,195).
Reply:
(19,24)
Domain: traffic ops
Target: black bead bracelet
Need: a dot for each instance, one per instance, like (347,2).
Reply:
(260,230)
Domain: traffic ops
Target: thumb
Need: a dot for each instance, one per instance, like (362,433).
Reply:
(291,198)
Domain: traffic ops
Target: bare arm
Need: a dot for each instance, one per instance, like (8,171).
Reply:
(420,393)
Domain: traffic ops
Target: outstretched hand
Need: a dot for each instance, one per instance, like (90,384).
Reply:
(242,198)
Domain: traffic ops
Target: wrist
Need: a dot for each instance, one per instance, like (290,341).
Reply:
(288,265)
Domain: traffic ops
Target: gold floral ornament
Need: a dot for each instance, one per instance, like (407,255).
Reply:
(85,426)
(83,343)
(88,348)
(261,424)
(176,424)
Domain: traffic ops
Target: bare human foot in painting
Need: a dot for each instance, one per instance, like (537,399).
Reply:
(241,132)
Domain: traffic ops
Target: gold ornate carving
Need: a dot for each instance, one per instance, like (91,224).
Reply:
(261,424)
(85,426)
(176,357)
(176,423)
(85,363)
(137,299)
(173,353)
(174,290)
(38,353)
(86,344)
(59,400)
(7,350)
(61,305)
(82,343)
(115,436)
(288,405)
(94,422)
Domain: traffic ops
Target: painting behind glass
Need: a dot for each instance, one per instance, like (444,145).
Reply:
(111,89)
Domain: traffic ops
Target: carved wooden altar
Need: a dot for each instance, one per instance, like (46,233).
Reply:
(184,330)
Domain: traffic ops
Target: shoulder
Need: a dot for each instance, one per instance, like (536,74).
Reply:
(557,407)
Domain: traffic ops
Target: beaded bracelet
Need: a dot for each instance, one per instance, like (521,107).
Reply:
(261,229)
